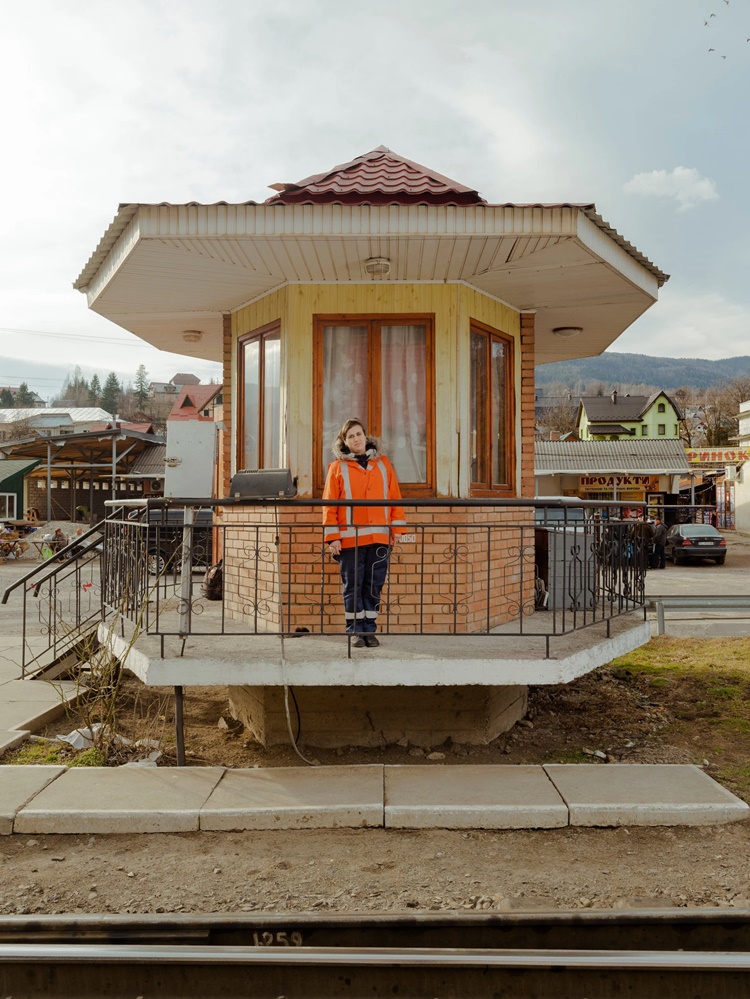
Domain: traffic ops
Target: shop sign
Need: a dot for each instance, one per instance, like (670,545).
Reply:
(718,456)
(650,482)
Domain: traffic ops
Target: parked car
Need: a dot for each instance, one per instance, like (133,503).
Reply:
(692,541)
(165,539)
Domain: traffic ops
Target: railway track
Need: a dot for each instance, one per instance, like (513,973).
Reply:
(680,953)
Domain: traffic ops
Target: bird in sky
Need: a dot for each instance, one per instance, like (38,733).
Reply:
(712,50)
(711,15)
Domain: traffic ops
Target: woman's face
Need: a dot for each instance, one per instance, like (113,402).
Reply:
(356,439)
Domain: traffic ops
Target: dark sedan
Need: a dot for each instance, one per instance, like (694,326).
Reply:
(687,541)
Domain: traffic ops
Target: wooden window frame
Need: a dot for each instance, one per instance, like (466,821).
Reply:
(482,488)
(262,334)
(375,320)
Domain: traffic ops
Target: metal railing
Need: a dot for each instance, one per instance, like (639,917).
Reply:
(61,601)
(472,567)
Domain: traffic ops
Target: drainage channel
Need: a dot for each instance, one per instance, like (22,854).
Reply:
(666,953)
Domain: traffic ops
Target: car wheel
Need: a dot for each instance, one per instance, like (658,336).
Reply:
(720,560)
(674,557)
(156,563)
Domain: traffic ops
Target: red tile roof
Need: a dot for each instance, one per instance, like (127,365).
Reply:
(191,402)
(380,177)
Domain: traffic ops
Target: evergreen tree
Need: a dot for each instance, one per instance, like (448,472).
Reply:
(141,386)
(95,391)
(24,397)
(111,394)
(6,399)
(75,390)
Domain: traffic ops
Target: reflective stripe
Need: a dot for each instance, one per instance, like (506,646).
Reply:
(348,511)
(371,614)
(328,531)
(384,473)
(363,532)
(398,523)
(359,615)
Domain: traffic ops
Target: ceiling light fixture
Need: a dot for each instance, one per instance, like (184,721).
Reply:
(192,336)
(378,265)
(567,332)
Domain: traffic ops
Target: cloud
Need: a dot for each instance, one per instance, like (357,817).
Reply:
(684,184)
(684,324)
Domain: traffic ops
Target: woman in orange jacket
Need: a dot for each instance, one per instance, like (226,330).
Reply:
(360,537)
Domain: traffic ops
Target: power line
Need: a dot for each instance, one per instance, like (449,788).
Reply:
(74,336)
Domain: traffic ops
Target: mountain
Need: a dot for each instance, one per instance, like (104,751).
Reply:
(613,369)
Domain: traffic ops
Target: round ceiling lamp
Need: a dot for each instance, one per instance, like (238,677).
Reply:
(192,336)
(380,266)
(567,332)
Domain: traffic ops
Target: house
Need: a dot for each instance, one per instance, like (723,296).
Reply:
(742,470)
(622,416)
(380,288)
(197,402)
(162,392)
(32,399)
(16,423)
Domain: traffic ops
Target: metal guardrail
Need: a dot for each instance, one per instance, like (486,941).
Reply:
(695,601)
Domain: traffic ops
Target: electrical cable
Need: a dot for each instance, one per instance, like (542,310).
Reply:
(284,675)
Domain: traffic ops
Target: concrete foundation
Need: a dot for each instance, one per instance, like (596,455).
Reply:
(380,716)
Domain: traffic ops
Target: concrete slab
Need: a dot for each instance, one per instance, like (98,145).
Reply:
(296,798)
(644,795)
(30,704)
(18,785)
(121,800)
(402,660)
(10,738)
(472,797)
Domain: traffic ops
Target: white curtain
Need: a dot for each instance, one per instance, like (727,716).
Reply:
(345,381)
(403,353)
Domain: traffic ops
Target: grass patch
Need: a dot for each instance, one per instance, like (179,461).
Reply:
(38,754)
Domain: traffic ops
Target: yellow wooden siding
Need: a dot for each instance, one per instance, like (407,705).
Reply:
(453,306)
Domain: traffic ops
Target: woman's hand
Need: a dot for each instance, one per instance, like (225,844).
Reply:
(335,547)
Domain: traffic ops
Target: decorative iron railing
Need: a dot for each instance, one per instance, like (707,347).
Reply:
(473,567)
(61,601)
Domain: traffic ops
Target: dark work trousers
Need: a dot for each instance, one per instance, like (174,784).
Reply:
(659,561)
(363,572)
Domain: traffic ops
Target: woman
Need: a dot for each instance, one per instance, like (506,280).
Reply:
(360,537)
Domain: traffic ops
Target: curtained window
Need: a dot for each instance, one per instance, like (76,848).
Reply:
(380,370)
(491,411)
(259,437)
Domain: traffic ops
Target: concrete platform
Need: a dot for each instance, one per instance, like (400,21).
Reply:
(296,798)
(469,797)
(644,795)
(10,738)
(18,785)
(121,800)
(402,660)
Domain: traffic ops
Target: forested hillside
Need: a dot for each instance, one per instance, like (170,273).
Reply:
(639,372)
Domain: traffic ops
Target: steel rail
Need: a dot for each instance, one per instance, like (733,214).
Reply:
(192,954)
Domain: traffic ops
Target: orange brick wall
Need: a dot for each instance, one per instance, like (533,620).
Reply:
(469,569)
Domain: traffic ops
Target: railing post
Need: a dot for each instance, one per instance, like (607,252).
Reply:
(660,626)
(186,571)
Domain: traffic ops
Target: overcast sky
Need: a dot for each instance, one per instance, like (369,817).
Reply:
(619,102)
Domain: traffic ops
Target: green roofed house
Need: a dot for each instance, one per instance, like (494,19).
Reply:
(13,472)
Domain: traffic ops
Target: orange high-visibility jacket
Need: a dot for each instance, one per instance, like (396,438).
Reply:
(362,525)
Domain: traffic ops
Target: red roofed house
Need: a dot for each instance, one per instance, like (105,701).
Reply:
(197,402)
(382,289)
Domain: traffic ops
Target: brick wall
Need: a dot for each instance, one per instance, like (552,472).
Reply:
(527,405)
(469,570)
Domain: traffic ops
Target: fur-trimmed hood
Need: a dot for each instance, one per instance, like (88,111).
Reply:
(375,449)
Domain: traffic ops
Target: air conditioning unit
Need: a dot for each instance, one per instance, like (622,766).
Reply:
(730,473)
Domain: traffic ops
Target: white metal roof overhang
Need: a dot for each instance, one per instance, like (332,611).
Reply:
(162,269)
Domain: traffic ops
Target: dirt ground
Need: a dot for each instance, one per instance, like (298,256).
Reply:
(627,712)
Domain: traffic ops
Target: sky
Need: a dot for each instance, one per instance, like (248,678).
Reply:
(636,105)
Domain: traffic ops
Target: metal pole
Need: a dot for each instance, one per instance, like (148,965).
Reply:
(114,467)
(179,726)
(186,571)
(49,483)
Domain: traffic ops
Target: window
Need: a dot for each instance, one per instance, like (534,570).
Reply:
(381,369)
(662,430)
(676,430)
(259,432)
(491,416)
(662,408)
(644,430)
